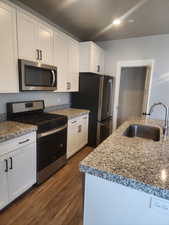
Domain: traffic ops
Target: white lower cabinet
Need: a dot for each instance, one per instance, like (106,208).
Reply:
(84,131)
(3,184)
(18,167)
(22,175)
(77,134)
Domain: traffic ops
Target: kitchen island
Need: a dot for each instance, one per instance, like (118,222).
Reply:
(127,180)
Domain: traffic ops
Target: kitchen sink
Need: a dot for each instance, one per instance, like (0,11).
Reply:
(147,132)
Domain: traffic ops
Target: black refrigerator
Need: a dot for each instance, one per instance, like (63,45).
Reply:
(96,94)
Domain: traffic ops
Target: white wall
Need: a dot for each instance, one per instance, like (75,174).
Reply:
(152,47)
(50,98)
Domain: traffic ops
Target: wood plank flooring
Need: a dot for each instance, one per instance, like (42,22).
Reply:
(56,202)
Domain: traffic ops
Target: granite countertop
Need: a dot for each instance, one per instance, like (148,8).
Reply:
(71,112)
(11,129)
(138,163)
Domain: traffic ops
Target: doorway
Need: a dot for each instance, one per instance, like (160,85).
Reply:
(131,94)
(125,67)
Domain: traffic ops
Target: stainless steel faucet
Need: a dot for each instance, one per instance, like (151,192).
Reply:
(165,129)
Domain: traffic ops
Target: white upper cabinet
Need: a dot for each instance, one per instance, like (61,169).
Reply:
(91,58)
(8,50)
(73,65)
(66,59)
(35,39)
(45,43)
(74,57)
(61,60)
(26,37)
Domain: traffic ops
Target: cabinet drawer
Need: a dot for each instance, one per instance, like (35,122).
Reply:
(79,119)
(11,145)
(72,138)
(85,119)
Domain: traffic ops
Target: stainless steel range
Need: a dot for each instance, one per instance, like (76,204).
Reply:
(51,135)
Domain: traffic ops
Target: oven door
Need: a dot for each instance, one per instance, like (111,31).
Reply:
(51,152)
(34,76)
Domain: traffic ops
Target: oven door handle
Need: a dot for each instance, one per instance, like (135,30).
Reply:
(54,78)
(44,134)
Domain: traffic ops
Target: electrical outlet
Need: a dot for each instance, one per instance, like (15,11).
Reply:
(58,100)
(160,205)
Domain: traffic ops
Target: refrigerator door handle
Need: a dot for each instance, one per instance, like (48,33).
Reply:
(102,124)
(98,134)
(111,97)
(100,98)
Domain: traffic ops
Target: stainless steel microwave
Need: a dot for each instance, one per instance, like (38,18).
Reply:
(34,76)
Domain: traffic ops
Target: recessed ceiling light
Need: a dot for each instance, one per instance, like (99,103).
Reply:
(116,22)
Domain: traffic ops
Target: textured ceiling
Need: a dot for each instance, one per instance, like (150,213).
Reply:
(92,19)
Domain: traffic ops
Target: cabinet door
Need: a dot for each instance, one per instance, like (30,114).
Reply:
(101,61)
(61,61)
(97,57)
(94,59)
(73,65)
(83,131)
(3,184)
(72,138)
(74,82)
(85,124)
(45,43)
(8,50)
(22,170)
(27,37)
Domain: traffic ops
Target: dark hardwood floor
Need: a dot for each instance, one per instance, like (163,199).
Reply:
(56,202)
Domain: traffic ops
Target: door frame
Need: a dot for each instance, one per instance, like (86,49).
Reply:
(136,63)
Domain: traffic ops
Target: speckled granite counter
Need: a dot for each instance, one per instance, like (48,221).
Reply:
(71,112)
(134,162)
(10,130)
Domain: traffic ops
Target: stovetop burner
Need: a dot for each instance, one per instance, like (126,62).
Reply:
(38,118)
(33,113)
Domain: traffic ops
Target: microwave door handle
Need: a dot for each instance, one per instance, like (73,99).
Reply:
(54,78)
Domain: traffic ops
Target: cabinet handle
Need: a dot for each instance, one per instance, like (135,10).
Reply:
(40,54)
(98,68)
(74,121)
(22,142)
(37,54)
(6,163)
(79,128)
(68,85)
(11,162)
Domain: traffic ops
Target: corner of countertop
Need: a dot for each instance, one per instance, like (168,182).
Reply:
(12,129)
